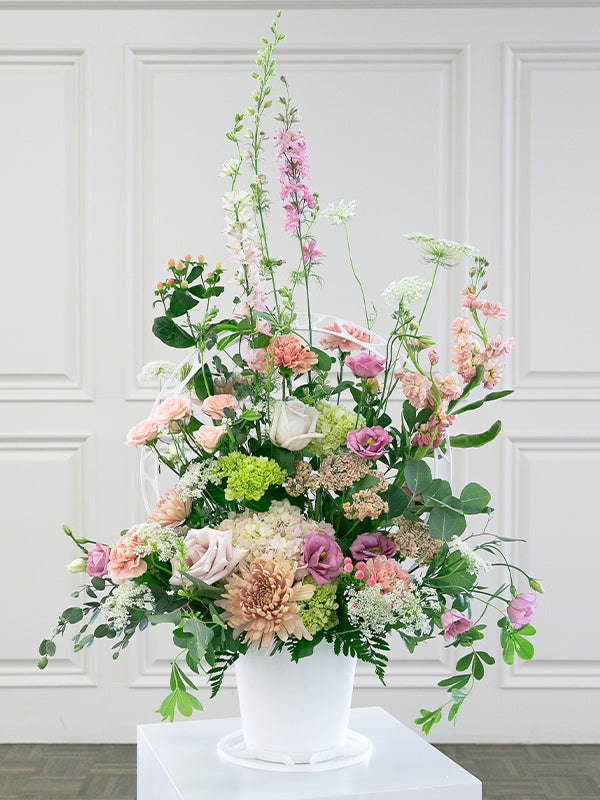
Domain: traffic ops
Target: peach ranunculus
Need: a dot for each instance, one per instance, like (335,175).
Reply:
(171,510)
(386,573)
(142,433)
(331,341)
(288,351)
(208,437)
(171,410)
(124,562)
(210,556)
(214,405)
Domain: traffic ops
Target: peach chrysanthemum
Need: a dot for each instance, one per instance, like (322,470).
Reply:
(263,602)
(289,352)
(171,510)
(386,573)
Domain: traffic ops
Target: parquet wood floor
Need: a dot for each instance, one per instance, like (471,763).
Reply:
(107,772)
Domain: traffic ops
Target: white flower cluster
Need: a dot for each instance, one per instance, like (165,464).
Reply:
(156,369)
(231,167)
(242,242)
(340,215)
(372,610)
(156,539)
(444,250)
(406,291)
(125,597)
(193,483)
(475,563)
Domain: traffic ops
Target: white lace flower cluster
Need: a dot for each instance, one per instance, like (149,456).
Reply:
(156,369)
(372,610)
(193,483)
(124,598)
(475,563)
(341,214)
(443,250)
(406,291)
(156,540)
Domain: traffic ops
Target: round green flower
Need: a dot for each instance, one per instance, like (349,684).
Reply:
(248,477)
(334,423)
(319,613)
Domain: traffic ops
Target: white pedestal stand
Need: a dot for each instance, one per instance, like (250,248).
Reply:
(181,762)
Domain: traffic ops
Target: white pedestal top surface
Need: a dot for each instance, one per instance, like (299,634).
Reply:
(180,761)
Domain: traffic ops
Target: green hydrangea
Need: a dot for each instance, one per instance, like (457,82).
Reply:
(248,477)
(319,613)
(334,423)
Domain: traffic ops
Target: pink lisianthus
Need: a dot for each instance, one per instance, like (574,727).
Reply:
(142,433)
(97,561)
(125,563)
(215,405)
(336,340)
(521,609)
(171,410)
(453,623)
(322,557)
(365,365)
(369,545)
(368,442)
(433,356)
(387,574)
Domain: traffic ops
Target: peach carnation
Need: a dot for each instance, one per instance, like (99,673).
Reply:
(142,433)
(262,601)
(124,562)
(214,405)
(331,341)
(171,510)
(208,437)
(172,409)
(386,573)
(289,352)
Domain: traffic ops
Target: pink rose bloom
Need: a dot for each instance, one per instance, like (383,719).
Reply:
(142,433)
(322,557)
(210,556)
(368,442)
(172,409)
(330,341)
(97,561)
(214,405)
(370,545)
(288,351)
(365,365)
(208,437)
(124,563)
(387,574)
(453,623)
(521,609)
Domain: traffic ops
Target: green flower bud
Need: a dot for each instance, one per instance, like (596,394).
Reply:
(536,585)
(77,565)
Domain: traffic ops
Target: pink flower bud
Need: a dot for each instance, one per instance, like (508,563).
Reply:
(359,574)
(348,567)
(433,357)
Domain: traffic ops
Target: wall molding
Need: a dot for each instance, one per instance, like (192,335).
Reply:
(75,386)
(308,5)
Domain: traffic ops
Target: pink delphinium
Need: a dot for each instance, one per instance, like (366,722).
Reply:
(312,255)
(453,623)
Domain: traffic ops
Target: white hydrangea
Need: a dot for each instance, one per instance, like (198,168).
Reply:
(193,483)
(341,214)
(444,250)
(406,291)
(156,369)
(124,598)
(156,539)
(475,563)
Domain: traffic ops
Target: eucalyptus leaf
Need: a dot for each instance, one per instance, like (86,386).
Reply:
(444,524)
(417,476)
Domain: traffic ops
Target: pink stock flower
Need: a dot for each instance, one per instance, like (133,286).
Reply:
(448,387)
(330,341)
(368,442)
(461,330)
(433,357)
(416,388)
(497,347)
(288,351)
(453,623)
(493,310)
(124,562)
(521,609)
(469,298)
(322,557)
(216,404)
(492,374)
(370,545)
(142,433)
(387,574)
(365,365)
(171,410)
(97,561)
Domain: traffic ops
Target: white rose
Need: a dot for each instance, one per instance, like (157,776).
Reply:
(293,426)
(210,556)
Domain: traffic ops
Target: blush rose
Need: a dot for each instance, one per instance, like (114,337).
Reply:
(210,556)
(293,426)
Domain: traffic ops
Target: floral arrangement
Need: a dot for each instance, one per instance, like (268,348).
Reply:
(301,510)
